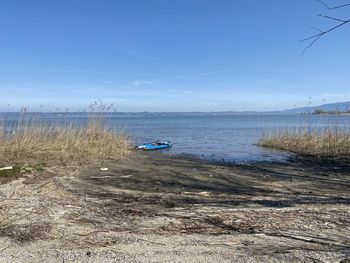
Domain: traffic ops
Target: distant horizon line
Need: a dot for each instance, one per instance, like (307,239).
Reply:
(151,112)
(178,112)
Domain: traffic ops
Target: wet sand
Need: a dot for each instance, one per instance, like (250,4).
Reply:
(158,208)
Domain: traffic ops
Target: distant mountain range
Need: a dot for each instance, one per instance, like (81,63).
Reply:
(331,107)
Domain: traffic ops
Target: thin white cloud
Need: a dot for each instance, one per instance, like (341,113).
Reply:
(138,83)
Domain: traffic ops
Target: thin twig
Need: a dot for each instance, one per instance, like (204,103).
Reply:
(333,18)
(322,33)
(334,7)
(40,186)
(1,250)
(94,232)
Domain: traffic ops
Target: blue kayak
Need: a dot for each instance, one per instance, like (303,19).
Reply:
(155,146)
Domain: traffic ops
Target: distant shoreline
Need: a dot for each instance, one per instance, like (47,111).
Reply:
(171,113)
(330,113)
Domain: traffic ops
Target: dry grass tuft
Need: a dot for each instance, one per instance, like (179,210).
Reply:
(324,143)
(69,144)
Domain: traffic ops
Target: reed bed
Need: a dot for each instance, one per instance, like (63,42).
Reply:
(65,143)
(330,142)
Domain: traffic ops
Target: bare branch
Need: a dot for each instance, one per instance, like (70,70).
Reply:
(334,7)
(323,3)
(316,37)
(341,22)
(333,18)
(311,44)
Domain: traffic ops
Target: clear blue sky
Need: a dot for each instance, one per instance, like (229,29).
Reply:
(162,55)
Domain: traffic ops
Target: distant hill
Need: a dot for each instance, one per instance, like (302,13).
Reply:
(331,107)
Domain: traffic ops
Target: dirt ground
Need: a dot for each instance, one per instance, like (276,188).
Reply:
(158,208)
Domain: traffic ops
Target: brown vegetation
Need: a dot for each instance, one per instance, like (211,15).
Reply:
(325,143)
(36,141)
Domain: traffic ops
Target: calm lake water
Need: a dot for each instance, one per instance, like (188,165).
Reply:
(231,137)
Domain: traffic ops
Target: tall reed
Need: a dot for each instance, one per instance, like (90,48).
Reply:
(62,141)
(328,142)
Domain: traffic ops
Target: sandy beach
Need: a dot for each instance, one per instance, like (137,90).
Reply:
(158,208)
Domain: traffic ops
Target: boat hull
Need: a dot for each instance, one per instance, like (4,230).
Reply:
(154,146)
